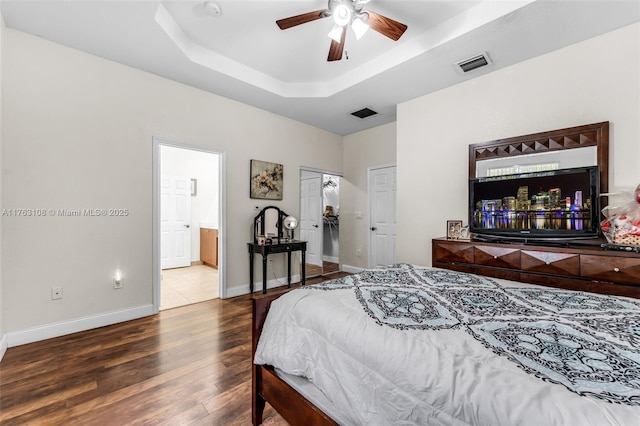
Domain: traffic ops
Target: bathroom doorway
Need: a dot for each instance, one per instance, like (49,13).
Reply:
(187,231)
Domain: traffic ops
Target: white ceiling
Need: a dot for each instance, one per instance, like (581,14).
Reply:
(241,54)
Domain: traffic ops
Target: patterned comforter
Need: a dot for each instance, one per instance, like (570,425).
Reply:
(411,345)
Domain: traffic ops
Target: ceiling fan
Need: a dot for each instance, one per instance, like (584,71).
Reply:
(347,13)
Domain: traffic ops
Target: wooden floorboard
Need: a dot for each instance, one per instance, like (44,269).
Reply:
(185,366)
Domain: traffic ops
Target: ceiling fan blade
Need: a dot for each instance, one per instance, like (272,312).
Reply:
(336,49)
(386,26)
(292,21)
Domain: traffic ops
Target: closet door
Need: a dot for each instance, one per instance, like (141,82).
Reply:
(382,199)
(311,221)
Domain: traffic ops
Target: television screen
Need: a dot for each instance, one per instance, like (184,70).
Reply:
(558,203)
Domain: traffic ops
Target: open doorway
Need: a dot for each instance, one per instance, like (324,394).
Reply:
(330,224)
(187,229)
(319,221)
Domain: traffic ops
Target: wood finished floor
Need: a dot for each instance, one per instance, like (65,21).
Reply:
(185,366)
(327,268)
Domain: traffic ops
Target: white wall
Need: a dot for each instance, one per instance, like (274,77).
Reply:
(3,337)
(202,166)
(592,81)
(78,134)
(362,150)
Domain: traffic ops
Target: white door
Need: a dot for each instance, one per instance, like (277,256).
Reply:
(382,201)
(175,221)
(311,217)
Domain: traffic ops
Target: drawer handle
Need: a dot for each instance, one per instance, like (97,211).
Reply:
(495,257)
(548,263)
(616,269)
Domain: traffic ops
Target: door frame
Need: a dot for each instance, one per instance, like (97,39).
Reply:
(369,170)
(222,216)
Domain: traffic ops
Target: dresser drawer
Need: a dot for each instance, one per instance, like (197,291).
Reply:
(610,268)
(453,252)
(545,262)
(502,257)
(281,248)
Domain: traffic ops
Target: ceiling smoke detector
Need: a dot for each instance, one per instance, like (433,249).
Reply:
(473,63)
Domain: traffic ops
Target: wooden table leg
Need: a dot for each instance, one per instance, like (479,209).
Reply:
(289,268)
(250,271)
(264,273)
(304,269)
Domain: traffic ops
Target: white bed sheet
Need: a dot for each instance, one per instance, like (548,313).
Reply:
(379,375)
(307,389)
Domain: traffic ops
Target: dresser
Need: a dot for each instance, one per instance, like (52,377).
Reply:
(580,267)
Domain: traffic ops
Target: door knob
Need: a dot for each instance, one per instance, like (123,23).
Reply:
(187,226)
(373,228)
(315,225)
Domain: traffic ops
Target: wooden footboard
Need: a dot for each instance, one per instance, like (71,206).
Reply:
(268,387)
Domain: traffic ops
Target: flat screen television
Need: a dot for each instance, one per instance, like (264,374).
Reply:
(558,204)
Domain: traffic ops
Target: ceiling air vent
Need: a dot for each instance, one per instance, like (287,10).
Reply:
(364,113)
(474,63)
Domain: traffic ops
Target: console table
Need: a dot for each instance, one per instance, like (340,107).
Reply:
(580,267)
(266,250)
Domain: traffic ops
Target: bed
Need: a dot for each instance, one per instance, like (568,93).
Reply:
(408,345)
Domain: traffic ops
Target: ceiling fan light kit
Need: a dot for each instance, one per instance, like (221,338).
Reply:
(335,33)
(347,13)
(342,15)
(359,27)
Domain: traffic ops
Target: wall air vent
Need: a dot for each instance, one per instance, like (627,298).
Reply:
(364,113)
(474,62)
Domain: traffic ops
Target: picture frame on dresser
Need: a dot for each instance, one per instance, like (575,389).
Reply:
(454,229)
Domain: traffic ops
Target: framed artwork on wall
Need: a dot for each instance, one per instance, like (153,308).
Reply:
(266,180)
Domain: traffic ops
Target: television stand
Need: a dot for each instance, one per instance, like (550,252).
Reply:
(586,267)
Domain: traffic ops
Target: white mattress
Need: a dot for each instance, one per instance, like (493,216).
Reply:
(372,374)
(313,394)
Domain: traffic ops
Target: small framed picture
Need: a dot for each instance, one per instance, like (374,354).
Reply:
(464,233)
(454,229)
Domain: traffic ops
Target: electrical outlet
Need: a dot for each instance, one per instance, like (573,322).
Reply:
(56,293)
(270,262)
(358,252)
(117,283)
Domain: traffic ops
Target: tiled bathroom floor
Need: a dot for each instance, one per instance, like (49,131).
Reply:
(184,286)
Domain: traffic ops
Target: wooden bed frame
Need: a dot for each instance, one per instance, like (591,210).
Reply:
(268,387)
(299,411)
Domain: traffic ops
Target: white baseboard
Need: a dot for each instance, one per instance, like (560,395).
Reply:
(62,328)
(352,269)
(4,344)
(257,287)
